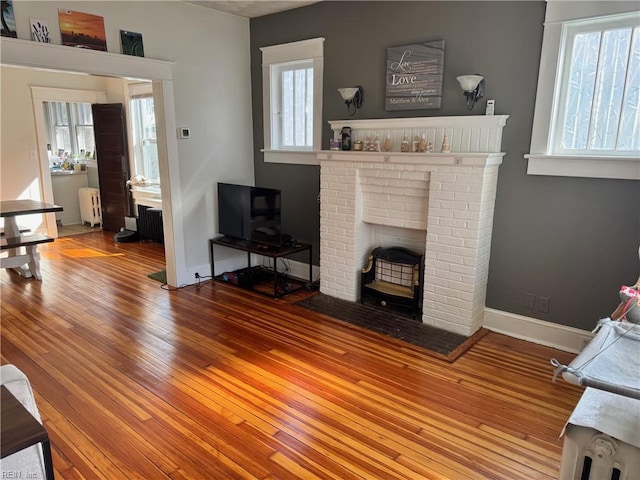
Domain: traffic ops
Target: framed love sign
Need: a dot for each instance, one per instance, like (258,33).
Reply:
(414,76)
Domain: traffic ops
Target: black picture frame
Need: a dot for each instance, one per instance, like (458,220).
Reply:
(131,43)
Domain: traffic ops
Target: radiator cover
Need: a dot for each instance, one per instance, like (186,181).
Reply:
(150,224)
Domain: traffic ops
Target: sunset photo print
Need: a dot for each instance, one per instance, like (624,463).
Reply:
(82,30)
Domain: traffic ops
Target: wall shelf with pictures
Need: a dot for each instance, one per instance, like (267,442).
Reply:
(469,133)
(59,57)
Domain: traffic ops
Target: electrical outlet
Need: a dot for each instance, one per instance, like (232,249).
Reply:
(583,342)
(197,275)
(529,300)
(543,304)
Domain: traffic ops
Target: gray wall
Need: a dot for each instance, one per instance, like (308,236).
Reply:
(570,239)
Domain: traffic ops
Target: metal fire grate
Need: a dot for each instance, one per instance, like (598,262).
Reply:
(396,273)
(393,275)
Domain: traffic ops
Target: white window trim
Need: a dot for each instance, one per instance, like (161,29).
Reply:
(133,89)
(540,162)
(289,52)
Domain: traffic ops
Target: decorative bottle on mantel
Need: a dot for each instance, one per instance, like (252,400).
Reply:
(416,144)
(422,146)
(404,146)
(387,143)
(445,144)
(345,137)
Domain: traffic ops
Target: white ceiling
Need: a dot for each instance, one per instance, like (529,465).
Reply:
(254,8)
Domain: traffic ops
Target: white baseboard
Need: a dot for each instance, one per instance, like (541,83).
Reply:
(553,335)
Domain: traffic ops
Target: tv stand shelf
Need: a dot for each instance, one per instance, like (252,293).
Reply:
(279,279)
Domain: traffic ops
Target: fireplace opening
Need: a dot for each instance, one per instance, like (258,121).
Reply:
(393,276)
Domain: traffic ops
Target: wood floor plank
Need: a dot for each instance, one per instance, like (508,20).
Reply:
(209,381)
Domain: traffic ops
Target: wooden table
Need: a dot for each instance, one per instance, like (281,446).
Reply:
(14,239)
(21,430)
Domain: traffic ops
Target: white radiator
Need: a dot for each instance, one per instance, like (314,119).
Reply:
(602,438)
(602,434)
(588,454)
(90,209)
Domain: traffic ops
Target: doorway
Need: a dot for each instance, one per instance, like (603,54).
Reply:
(26,54)
(75,131)
(70,146)
(61,184)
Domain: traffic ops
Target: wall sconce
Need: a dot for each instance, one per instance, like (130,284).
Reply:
(352,96)
(473,88)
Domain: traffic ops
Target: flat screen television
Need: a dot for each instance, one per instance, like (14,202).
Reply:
(250,213)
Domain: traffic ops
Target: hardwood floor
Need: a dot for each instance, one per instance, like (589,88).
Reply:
(211,382)
(77,229)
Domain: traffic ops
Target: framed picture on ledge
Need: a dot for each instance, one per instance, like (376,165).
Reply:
(39,31)
(82,30)
(131,43)
(8,20)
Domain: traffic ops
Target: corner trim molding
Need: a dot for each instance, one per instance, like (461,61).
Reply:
(568,339)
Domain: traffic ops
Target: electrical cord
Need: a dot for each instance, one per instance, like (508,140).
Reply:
(287,265)
(200,280)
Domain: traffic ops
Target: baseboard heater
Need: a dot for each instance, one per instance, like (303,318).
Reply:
(150,224)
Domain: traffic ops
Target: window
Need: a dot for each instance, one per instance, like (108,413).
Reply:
(292,101)
(587,112)
(292,122)
(144,142)
(70,128)
(598,101)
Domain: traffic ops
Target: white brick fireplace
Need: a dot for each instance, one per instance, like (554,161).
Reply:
(440,204)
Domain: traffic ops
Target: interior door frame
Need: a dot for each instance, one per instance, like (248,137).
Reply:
(40,95)
(24,53)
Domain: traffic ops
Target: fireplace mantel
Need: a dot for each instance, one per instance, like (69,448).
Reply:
(468,133)
(475,159)
(446,198)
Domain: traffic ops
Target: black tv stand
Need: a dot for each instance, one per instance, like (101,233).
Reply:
(279,279)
